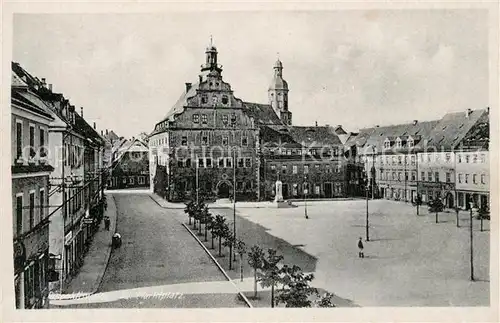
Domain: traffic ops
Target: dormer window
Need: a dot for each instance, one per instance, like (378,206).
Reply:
(411,142)
(204,99)
(398,143)
(225,99)
(387,144)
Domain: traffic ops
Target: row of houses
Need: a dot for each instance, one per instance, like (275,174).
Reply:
(445,159)
(214,143)
(58,176)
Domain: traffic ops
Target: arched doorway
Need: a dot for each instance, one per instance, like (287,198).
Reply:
(223,189)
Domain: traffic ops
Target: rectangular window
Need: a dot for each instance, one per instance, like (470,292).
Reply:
(239,186)
(483,158)
(399,176)
(447,157)
(406,176)
(460,178)
(474,178)
(448,177)
(221,162)
(429,176)
(394,160)
(196,118)
(422,176)
(294,169)
(241,162)
(204,140)
(306,169)
(244,141)
(273,167)
(201,162)
(42,204)
(248,162)
(459,158)
(466,178)
(483,179)
(208,162)
(131,180)
(229,162)
(413,176)
(188,163)
(467,159)
(225,120)
(141,180)
(32,210)
(474,158)
(436,176)
(204,119)
(180,163)
(283,169)
(19,139)
(184,141)
(316,167)
(225,141)
(19,214)
(399,160)
(42,143)
(413,160)
(32,141)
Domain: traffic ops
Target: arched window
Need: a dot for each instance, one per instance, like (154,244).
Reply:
(225,99)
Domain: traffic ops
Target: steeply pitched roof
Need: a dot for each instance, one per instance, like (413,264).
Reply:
(31,102)
(178,107)
(82,127)
(375,137)
(315,136)
(263,114)
(452,129)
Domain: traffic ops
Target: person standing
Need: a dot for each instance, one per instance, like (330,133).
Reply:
(106,222)
(361,253)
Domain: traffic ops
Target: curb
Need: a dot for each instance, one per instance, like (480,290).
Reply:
(165,207)
(109,252)
(99,279)
(218,265)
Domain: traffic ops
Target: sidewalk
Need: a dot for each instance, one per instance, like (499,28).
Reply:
(88,279)
(166,204)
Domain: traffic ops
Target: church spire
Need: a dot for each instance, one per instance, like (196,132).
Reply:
(278,93)
(211,58)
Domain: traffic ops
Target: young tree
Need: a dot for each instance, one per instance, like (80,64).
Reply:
(189,210)
(241,249)
(229,241)
(484,213)
(296,290)
(206,215)
(270,274)
(324,300)
(220,230)
(255,260)
(436,206)
(211,227)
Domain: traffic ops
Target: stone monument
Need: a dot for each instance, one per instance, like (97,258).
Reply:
(278,198)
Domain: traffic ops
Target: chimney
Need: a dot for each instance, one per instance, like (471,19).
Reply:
(94,125)
(50,87)
(415,122)
(106,132)
(102,133)
(81,111)
(43,82)
(316,123)
(468,113)
(376,126)
(488,109)
(199,78)
(188,87)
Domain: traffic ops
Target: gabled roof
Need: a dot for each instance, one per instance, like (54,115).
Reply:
(263,114)
(452,129)
(375,137)
(315,136)
(82,127)
(135,145)
(29,101)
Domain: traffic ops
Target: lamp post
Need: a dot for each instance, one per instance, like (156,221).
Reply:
(367,214)
(234,198)
(471,245)
(305,196)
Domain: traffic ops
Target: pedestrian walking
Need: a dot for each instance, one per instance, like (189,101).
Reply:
(106,222)
(361,254)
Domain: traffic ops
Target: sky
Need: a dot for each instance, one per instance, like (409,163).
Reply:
(352,68)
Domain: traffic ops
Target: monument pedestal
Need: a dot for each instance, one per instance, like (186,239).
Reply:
(282,204)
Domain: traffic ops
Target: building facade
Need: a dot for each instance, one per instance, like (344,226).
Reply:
(75,150)
(30,195)
(215,144)
(130,169)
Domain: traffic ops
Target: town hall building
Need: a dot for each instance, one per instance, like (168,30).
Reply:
(215,145)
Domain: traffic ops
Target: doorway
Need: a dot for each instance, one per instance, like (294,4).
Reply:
(223,190)
(328,190)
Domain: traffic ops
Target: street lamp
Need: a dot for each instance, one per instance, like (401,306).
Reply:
(471,244)
(367,214)
(305,196)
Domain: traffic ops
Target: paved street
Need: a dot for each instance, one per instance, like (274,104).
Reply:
(410,260)
(159,263)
